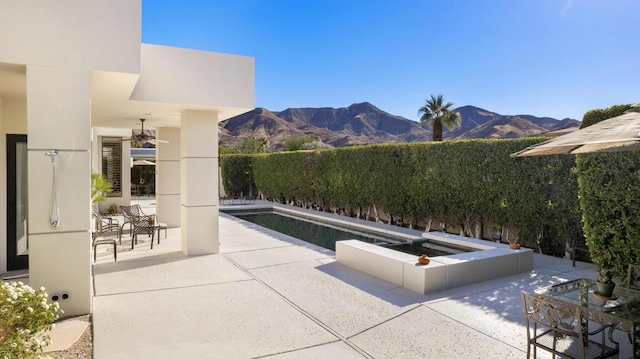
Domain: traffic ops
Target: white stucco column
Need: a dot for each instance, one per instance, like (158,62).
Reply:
(58,117)
(199,182)
(168,176)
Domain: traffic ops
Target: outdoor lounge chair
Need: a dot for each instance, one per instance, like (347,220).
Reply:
(140,223)
(106,224)
(129,213)
(143,225)
(562,328)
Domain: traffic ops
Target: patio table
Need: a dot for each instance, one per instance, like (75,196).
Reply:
(623,313)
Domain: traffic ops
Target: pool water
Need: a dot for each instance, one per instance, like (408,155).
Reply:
(326,235)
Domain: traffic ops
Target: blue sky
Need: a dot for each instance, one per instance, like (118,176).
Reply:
(556,58)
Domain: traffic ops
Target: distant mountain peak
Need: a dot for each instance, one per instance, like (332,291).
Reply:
(364,123)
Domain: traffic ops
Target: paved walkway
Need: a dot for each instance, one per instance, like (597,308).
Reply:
(270,295)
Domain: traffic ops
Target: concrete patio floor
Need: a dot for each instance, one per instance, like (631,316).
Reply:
(270,295)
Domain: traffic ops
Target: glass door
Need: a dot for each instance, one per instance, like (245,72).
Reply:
(17,203)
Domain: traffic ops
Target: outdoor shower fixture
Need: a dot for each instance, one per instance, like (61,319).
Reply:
(54,211)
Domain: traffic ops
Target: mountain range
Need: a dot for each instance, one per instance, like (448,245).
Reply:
(364,123)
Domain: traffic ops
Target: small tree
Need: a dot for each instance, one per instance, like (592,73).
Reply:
(254,145)
(297,143)
(439,114)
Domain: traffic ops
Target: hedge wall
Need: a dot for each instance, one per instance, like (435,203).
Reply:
(458,182)
(609,189)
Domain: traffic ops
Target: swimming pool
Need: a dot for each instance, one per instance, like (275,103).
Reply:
(326,234)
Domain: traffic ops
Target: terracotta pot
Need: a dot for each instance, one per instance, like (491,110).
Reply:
(423,259)
(514,245)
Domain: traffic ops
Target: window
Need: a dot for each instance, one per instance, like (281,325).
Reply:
(112,164)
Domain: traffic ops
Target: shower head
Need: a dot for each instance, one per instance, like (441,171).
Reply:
(52,154)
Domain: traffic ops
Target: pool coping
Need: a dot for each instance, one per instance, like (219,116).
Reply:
(491,260)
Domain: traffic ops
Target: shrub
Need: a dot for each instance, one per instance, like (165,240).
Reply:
(25,316)
(608,189)
(466,183)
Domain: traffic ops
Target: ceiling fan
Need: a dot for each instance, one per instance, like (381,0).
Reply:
(143,137)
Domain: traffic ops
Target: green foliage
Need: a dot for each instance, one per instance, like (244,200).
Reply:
(597,115)
(316,145)
(99,187)
(254,145)
(296,143)
(113,209)
(458,182)
(439,114)
(25,316)
(250,145)
(237,174)
(609,188)
(143,174)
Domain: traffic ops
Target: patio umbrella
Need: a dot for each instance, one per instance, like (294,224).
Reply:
(143,163)
(620,133)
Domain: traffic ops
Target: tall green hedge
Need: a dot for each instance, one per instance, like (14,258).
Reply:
(237,174)
(609,189)
(457,182)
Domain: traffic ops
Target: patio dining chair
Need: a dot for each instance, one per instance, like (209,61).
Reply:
(562,328)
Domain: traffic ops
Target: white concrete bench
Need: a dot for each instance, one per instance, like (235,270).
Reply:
(490,260)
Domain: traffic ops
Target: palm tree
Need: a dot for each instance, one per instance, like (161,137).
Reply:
(439,114)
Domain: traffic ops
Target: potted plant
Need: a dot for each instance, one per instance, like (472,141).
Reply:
(604,281)
(504,234)
(113,209)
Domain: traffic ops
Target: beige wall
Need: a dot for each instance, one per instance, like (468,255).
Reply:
(97,34)
(79,51)
(168,176)
(58,110)
(199,182)
(197,78)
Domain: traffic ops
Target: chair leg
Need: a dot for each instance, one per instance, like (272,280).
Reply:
(152,235)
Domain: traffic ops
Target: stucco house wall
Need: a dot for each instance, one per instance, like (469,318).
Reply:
(79,65)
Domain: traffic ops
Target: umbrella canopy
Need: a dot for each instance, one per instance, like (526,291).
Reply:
(143,163)
(621,133)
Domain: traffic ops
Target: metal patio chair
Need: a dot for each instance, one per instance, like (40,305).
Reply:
(105,224)
(143,225)
(139,223)
(130,212)
(97,239)
(562,328)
